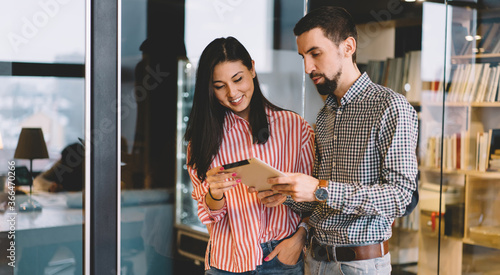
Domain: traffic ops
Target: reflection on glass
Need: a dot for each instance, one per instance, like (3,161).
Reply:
(42,31)
(459,118)
(265,28)
(151,47)
(56,106)
(48,241)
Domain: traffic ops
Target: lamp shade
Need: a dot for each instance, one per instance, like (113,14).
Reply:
(31,145)
(1,142)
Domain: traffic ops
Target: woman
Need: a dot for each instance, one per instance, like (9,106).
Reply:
(232,121)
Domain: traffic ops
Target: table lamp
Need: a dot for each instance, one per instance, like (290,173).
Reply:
(31,145)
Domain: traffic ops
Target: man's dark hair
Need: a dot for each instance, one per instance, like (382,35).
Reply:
(335,22)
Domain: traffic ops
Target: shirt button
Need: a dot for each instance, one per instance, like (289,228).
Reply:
(339,112)
(333,164)
(334,137)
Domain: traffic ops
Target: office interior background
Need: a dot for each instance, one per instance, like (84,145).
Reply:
(117,79)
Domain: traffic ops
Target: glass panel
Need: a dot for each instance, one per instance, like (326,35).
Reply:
(432,117)
(158,73)
(42,31)
(41,205)
(279,70)
(150,50)
(278,67)
(459,125)
(474,71)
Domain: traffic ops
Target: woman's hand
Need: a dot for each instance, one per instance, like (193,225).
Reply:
(218,183)
(288,251)
(269,198)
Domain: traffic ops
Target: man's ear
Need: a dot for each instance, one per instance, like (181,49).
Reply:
(349,46)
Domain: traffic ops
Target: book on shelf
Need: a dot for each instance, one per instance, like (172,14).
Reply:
(464,150)
(483,31)
(481,151)
(414,81)
(494,86)
(474,83)
(493,158)
(497,47)
(491,86)
(457,147)
(489,41)
(490,38)
(401,74)
(481,88)
(453,146)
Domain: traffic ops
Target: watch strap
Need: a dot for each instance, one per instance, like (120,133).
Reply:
(323,183)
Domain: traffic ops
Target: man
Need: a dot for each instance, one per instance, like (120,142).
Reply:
(365,169)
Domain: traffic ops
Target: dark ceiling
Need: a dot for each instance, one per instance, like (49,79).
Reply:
(364,11)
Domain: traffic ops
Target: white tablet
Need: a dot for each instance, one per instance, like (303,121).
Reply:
(254,172)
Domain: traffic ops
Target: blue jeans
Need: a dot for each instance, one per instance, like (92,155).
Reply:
(377,266)
(274,266)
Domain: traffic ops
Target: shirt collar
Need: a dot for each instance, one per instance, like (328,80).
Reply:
(357,87)
(230,119)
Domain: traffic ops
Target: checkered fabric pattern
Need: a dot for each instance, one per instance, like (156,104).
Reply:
(366,149)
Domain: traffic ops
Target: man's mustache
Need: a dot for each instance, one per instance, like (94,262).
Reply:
(312,75)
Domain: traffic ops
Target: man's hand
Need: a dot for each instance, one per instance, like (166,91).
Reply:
(288,251)
(300,186)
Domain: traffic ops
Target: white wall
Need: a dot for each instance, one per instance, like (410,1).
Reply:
(376,41)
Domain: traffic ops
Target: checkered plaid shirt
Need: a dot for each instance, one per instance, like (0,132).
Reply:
(366,150)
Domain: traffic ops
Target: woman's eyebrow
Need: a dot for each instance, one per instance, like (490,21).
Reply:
(231,77)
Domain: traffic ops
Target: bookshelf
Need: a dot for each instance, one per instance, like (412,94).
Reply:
(460,111)
(453,81)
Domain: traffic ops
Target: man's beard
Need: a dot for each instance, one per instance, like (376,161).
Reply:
(329,85)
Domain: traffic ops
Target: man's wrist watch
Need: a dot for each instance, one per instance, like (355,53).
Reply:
(321,192)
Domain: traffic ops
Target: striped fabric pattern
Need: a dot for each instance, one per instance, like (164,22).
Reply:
(238,229)
(366,148)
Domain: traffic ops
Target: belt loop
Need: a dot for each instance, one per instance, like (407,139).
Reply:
(334,252)
(382,248)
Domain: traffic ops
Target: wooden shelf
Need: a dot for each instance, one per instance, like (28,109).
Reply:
(484,175)
(471,242)
(485,104)
(463,104)
(483,56)
(471,173)
(438,170)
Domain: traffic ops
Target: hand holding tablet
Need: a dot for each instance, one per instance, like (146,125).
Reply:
(254,172)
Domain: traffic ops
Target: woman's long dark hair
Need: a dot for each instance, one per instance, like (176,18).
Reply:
(206,121)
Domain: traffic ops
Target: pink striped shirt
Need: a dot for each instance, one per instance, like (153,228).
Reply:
(243,223)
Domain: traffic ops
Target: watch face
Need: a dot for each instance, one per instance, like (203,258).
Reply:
(321,194)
